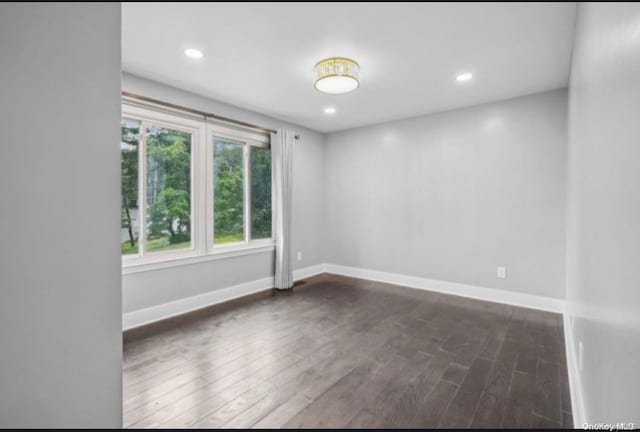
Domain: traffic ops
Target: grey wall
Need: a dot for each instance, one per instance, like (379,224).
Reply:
(60,312)
(451,196)
(141,290)
(603,244)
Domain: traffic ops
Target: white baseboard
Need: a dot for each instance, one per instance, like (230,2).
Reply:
(575,385)
(167,310)
(159,312)
(310,271)
(177,307)
(493,295)
(476,292)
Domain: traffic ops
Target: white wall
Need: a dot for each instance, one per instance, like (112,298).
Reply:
(604,210)
(60,312)
(143,290)
(451,196)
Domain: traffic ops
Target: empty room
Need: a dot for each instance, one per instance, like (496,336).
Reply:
(320,215)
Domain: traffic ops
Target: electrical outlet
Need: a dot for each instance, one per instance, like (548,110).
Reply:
(580,352)
(502,272)
(299,256)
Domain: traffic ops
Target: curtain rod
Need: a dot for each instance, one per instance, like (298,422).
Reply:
(197,112)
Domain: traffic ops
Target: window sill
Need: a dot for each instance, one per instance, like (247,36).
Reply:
(158,263)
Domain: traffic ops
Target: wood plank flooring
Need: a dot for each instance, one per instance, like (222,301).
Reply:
(341,352)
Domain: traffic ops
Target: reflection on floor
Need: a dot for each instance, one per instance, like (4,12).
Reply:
(344,352)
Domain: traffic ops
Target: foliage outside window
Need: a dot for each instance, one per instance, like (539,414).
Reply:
(260,162)
(165,191)
(168,182)
(228,192)
(129,147)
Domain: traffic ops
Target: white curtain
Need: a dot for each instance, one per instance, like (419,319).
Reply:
(282,163)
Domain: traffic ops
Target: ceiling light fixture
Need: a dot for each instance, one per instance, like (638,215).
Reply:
(193,53)
(329,110)
(337,75)
(464,76)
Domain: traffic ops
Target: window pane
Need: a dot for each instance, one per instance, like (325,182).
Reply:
(168,189)
(129,224)
(260,192)
(228,205)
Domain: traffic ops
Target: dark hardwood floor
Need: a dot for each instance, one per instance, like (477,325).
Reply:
(343,352)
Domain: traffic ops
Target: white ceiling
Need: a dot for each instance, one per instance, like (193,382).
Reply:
(260,56)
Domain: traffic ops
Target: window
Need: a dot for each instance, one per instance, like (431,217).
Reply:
(191,189)
(241,192)
(129,148)
(260,162)
(168,189)
(228,192)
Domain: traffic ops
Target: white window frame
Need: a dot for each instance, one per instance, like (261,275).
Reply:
(247,141)
(202,199)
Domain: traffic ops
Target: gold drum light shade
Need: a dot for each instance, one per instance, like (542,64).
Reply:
(337,75)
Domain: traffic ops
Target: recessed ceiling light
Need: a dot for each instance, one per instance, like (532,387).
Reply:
(193,53)
(329,110)
(464,76)
(337,75)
